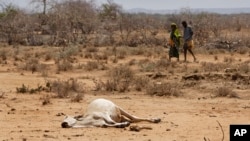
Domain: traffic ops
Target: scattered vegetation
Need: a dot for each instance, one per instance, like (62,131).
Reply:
(25,89)
(225,92)
(71,88)
(213,67)
(64,65)
(163,89)
(46,100)
(3,55)
(120,79)
(244,67)
(106,37)
(229,59)
(141,82)
(91,49)
(147,66)
(32,65)
(95,65)
(67,88)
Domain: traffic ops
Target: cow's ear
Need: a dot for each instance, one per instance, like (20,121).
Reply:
(79,117)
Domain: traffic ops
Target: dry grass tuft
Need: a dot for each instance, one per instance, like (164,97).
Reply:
(91,65)
(120,78)
(244,67)
(45,100)
(64,65)
(67,89)
(213,67)
(141,82)
(25,89)
(163,89)
(91,49)
(147,66)
(32,64)
(3,54)
(229,60)
(163,64)
(225,92)
(242,50)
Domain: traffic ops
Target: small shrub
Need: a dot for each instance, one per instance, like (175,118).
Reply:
(244,67)
(99,85)
(102,56)
(163,89)
(132,62)
(22,89)
(110,85)
(121,53)
(229,59)
(48,56)
(32,64)
(213,67)
(141,82)
(163,64)
(92,65)
(120,79)
(138,51)
(64,89)
(44,70)
(88,55)
(242,50)
(77,97)
(147,67)
(80,66)
(68,52)
(64,65)
(225,92)
(91,49)
(3,54)
(45,100)
(95,65)
(216,58)
(25,89)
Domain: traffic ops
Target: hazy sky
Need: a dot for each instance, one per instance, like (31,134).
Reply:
(160,4)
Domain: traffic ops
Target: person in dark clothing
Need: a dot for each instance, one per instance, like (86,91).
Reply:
(188,40)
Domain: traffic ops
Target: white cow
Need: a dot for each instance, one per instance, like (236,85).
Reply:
(104,113)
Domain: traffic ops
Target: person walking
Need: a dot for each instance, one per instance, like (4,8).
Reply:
(188,40)
(174,42)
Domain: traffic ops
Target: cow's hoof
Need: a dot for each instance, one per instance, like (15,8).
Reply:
(127,124)
(123,125)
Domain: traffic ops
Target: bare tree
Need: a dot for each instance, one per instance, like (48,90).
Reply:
(44,3)
(12,24)
(72,21)
(109,14)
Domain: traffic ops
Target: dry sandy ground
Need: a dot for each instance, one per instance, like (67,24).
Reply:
(193,117)
(24,118)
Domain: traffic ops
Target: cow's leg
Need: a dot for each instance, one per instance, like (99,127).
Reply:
(124,119)
(111,123)
(131,118)
(117,125)
(106,121)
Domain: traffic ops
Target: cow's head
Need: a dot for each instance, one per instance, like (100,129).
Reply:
(70,122)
